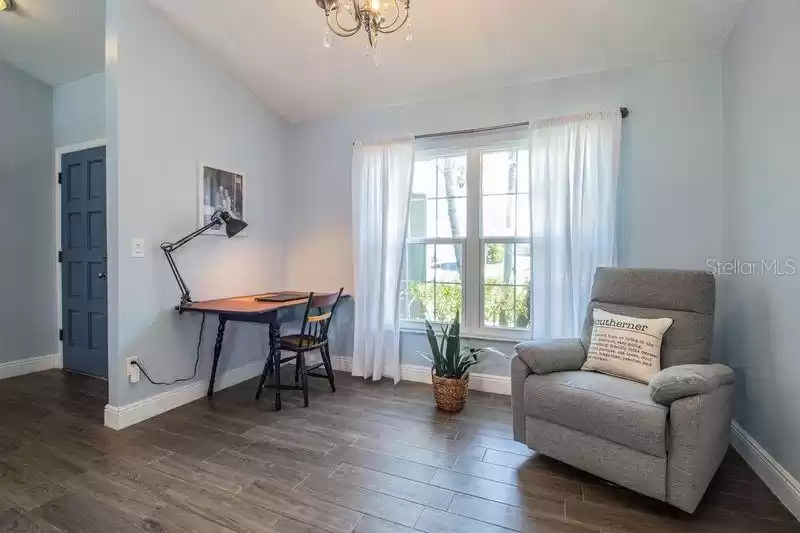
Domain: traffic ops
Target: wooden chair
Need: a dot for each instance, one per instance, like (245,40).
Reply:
(313,336)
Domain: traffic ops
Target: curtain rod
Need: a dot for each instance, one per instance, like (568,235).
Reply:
(623,111)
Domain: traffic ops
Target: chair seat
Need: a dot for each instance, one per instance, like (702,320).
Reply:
(612,408)
(301,342)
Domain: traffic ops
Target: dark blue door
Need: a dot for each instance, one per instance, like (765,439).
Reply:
(83,264)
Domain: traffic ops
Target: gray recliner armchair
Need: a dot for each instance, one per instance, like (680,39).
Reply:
(665,440)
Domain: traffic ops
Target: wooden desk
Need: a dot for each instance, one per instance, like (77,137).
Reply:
(247,309)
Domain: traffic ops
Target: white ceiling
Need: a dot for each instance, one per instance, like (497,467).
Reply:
(275,46)
(57,41)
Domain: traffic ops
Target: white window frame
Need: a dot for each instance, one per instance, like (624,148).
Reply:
(472,245)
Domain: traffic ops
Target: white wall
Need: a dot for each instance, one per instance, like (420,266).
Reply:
(761,312)
(79,111)
(671,178)
(170,108)
(27,181)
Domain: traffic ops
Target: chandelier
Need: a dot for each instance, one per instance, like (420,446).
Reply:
(347,17)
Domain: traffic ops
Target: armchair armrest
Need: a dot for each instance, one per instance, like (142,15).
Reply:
(552,355)
(539,357)
(681,381)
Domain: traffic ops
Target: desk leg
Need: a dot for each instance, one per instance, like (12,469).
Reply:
(275,353)
(264,375)
(217,352)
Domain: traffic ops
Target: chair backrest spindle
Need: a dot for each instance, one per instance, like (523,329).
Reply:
(317,324)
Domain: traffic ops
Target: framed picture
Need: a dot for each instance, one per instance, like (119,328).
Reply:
(220,190)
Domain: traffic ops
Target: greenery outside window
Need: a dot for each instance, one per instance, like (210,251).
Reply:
(468,246)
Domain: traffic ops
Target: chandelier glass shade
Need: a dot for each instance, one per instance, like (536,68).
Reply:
(346,18)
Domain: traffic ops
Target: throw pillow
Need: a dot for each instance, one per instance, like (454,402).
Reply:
(625,346)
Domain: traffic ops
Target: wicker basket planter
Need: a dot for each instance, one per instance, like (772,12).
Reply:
(450,394)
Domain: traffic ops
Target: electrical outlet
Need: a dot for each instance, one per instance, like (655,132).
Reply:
(134,373)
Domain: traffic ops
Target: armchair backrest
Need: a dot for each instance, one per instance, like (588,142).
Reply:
(686,296)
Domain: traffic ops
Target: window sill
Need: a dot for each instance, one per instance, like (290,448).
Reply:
(480,336)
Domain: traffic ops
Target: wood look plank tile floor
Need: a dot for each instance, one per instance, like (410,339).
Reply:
(370,458)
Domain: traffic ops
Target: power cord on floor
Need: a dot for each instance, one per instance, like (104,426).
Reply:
(196,361)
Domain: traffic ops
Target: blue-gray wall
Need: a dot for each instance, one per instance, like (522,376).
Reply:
(760,313)
(170,108)
(670,207)
(27,238)
(79,111)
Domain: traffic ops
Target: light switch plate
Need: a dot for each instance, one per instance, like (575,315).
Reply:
(137,248)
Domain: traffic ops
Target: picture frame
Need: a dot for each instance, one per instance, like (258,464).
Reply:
(220,187)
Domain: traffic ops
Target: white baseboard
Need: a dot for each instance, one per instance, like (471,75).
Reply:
(779,481)
(120,417)
(479,382)
(422,374)
(343,364)
(28,366)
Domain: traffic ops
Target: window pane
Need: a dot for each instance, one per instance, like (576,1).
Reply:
(438,205)
(424,179)
(445,218)
(418,218)
(431,288)
(506,298)
(523,228)
(524,171)
(418,257)
(522,264)
(505,206)
(451,216)
(522,306)
(499,215)
(507,306)
(505,172)
(506,215)
(447,263)
(440,177)
(506,264)
(412,307)
(451,176)
(437,302)
(498,266)
(417,282)
(448,301)
(498,305)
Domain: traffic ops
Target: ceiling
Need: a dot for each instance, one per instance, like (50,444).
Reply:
(57,41)
(275,46)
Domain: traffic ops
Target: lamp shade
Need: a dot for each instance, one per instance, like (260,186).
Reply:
(233,226)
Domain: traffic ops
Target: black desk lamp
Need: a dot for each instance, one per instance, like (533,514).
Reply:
(232,227)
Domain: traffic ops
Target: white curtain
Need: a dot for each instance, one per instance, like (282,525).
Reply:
(381,185)
(574,167)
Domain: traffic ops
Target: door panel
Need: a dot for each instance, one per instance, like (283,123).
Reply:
(83,272)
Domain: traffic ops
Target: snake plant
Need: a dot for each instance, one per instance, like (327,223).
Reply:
(447,357)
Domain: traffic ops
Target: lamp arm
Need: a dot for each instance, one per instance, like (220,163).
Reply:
(185,295)
(172,246)
(169,247)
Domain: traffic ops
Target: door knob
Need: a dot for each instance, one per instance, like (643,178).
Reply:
(101,275)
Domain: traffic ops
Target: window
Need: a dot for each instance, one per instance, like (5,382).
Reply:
(468,247)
